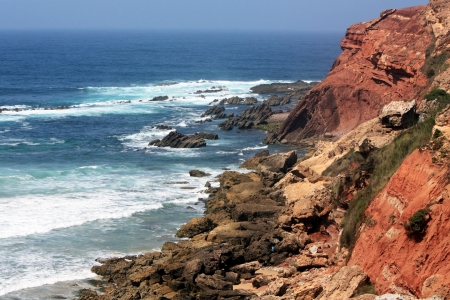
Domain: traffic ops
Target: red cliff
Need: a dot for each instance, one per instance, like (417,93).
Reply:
(394,259)
(380,63)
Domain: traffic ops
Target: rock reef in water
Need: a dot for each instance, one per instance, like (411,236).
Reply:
(178,140)
(275,232)
(381,62)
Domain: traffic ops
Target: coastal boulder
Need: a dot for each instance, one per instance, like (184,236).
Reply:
(253,163)
(276,101)
(178,140)
(198,173)
(195,226)
(398,114)
(279,163)
(343,284)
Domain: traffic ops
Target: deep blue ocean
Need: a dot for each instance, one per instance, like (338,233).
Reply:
(80,183)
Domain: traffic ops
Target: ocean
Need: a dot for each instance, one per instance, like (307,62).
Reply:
(77,179)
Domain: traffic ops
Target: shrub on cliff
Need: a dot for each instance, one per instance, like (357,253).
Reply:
(386,161)
(417,222)
(439,94)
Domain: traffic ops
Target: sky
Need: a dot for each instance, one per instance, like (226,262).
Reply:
(230,15)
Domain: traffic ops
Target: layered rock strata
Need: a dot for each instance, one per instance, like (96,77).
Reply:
(381,62)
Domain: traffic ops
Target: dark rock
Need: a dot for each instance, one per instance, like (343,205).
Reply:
(249,267)
(276,88)
(249,101)
(255,115)
(87,294)
(166,83)
(212,282)
(213,111)
(177,140)
(212,90)
(192,269)
(163,127)
(198,173)
(232,277)
(154,142)
(276,101)
(250,212)
(207,135)
(159,98)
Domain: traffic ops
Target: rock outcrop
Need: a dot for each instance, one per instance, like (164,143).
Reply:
(252,116)
(278,88)
(438,18)
(381,62)
(396,260)
(178,140)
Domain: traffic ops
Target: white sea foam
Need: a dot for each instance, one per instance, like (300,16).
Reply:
(42,277)
(142,138)
(65,210)
(255,148)
(134,99)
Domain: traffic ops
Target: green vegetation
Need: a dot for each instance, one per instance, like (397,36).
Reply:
(366,288)
(439,94)
(437,134)
(434,64)
(417,222)
(385,162)
(269,126)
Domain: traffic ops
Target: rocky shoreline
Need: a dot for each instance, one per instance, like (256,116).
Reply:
(364,212)
(263,233)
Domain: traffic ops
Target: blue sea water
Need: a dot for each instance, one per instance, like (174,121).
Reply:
(80,183)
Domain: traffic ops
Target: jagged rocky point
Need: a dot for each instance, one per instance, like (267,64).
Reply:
(365,214)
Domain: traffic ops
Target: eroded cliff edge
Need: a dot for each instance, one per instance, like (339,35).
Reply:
(381,62)
(280,233)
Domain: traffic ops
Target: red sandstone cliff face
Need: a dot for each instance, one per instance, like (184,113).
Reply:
(394,260)
(380,63)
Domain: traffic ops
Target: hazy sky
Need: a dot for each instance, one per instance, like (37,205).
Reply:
(275,15)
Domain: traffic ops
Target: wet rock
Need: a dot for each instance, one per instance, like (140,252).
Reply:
(177,140)
(163,127)
(255,115)
(207,135)
(215,110)
(282,87)
(198,173)
(159,98)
